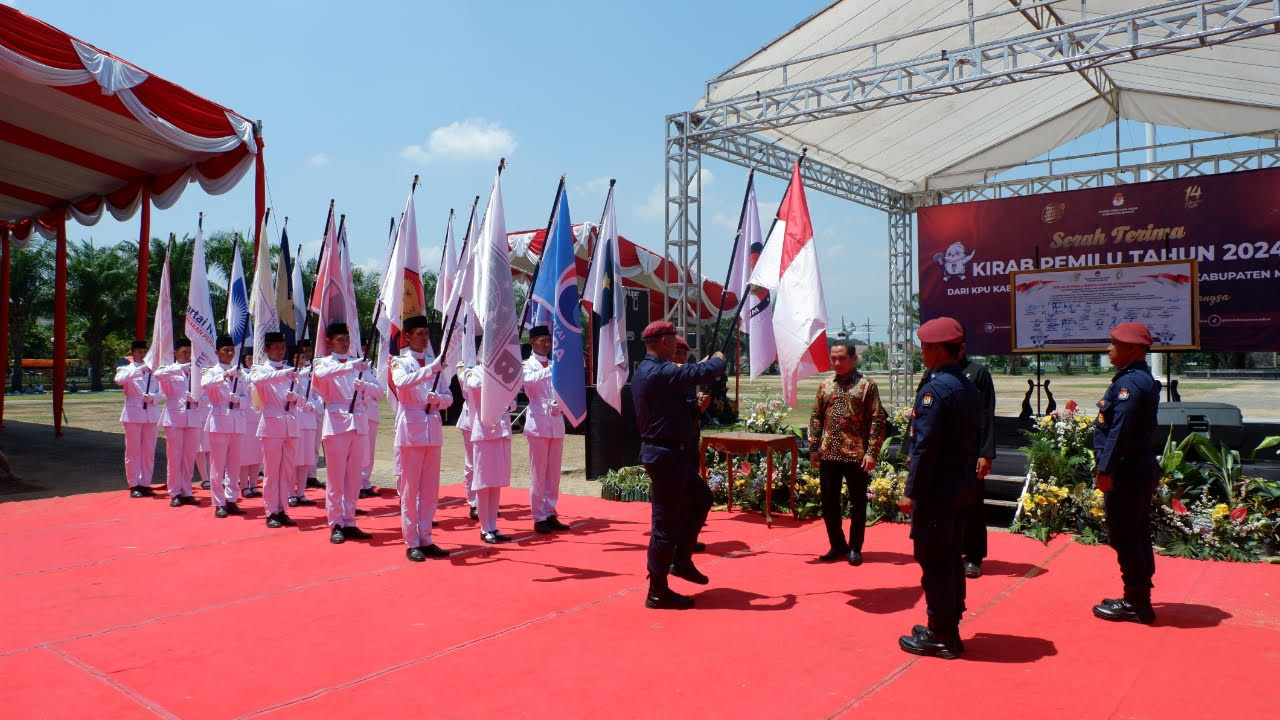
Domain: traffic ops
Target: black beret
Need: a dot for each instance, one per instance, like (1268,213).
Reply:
(539,331)
(336,329)
(414,322)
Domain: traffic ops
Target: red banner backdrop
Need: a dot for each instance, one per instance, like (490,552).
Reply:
(1230,224)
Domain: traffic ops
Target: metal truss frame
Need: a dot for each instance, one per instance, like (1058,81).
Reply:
(726,129)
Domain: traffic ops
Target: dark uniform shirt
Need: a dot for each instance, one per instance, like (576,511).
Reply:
(944,438)
(657,387)
(1124,435)
(981,377)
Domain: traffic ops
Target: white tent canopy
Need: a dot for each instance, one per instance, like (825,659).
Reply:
(959,139)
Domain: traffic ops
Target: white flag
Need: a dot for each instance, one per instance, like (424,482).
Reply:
(262,303)
(788,267)
(400,295)
(462,345)
(347,280)
(161,351)
(199,325)
(608,303)
(495,305)
(448,269)
(299,301)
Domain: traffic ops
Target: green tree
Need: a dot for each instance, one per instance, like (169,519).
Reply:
(30,299)
(100,285)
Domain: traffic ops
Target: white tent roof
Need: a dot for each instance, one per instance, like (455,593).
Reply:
(950,141)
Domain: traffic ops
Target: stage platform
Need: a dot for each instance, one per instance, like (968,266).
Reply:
(127,608)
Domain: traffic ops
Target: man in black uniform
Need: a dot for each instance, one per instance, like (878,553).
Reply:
(680,498)
(975,525)
(1127,472)
(698,400)
(940,486)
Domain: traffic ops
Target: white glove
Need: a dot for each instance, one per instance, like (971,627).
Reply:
(193,399)
(362,366)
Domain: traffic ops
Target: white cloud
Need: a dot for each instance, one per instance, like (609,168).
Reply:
(318,160)
(473,138)
(834,251)
(724,222)
(654,205)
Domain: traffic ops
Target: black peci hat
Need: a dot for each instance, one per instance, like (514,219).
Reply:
(272,337)
(181,343)
(138,345)
(415,322)
(539,331)
(224,341)
(333,329)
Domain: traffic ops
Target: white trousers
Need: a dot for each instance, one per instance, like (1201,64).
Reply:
(277,472)
(468,469)
(224,467)
(419,487)
(343,456)
(487,502)
(180,446)
(366,468)
(544,475)
(139,453)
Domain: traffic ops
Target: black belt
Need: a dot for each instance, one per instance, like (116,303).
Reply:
(668,444)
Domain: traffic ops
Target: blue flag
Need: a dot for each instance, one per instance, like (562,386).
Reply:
(237,300)
(556,296)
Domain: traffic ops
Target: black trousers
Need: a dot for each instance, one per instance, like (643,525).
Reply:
(937,534)
(1128,507)
(975,527)
(680,503)
(830,475)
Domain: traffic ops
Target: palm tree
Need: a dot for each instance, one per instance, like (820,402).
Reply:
(30,298)
(100,280)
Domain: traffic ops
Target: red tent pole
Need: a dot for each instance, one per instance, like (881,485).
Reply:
(4,312)
(144,264)
(60,321)
(259,193)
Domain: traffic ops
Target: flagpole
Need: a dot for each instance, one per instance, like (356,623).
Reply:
(457,303)
(591,316)
(733,256)
(546,239)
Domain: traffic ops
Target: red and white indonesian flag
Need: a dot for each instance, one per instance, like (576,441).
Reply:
(161,351)
(401,294)
(788,269)
(495,305)
(334,298)
(262,303)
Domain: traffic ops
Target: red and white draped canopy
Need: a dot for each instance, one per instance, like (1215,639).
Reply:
(640,268)
(82,131)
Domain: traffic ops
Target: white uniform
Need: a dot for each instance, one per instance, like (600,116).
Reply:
(470,397)
(278,431)
(491,447)
(139,416)
(419,436)
(250,445)
(182,423)
(343,434)
(372,406)
(224,427)
(308,413)
(544,430)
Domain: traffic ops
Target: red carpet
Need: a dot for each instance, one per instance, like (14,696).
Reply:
(123,608)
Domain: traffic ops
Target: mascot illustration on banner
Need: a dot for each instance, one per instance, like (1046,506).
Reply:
(953,261)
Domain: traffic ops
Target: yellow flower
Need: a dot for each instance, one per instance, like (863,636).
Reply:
(1097,511)
(1220,511)
(1027,504)
(1041,500)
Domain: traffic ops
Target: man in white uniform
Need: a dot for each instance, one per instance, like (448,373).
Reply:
(309,411)
(373,405)
(182,423)
(139,416)
(544,431)
(470,397)
(344,430)
(491,447)
(419,435)
(274,384)
(224,426)
(250,444)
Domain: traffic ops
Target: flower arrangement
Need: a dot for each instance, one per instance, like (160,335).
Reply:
(1207,528)
(749,483)
(767,415)
(1059,494)
(883,492)
(628,484)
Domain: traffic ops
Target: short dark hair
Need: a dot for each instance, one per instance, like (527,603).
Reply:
(848,345)
(953,349)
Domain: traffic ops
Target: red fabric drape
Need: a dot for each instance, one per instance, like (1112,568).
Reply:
(144,264)
(259,195)
(4,313)
(59,322)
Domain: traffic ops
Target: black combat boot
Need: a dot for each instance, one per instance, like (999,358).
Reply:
(662,597)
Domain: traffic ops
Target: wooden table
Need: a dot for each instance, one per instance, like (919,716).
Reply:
(744,443)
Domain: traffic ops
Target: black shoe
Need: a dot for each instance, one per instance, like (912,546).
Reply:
(220,512)
(542,527)
(489,537)
(361,512)
(501,538)
(188,500)
(314,483)
(352,532)
(855,558)
(204,484)
(136,492)
(251,493)
(1125,611)
(337,537)
(434,550)
(176,501)
(699,546)
(667,599)
(923,631)
(435,524)
(307,501)
(931,644)
(147,491)
(286,521)
(475,514)
(554,523)
(293,502)
(415,554)
(368,493)
(234,509)
(687,571)
(972,570)
(273,521)
(832,555)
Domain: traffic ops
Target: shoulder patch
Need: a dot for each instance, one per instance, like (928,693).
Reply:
(1123,394)
(1101,420)
(927,399)
(1102,404)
